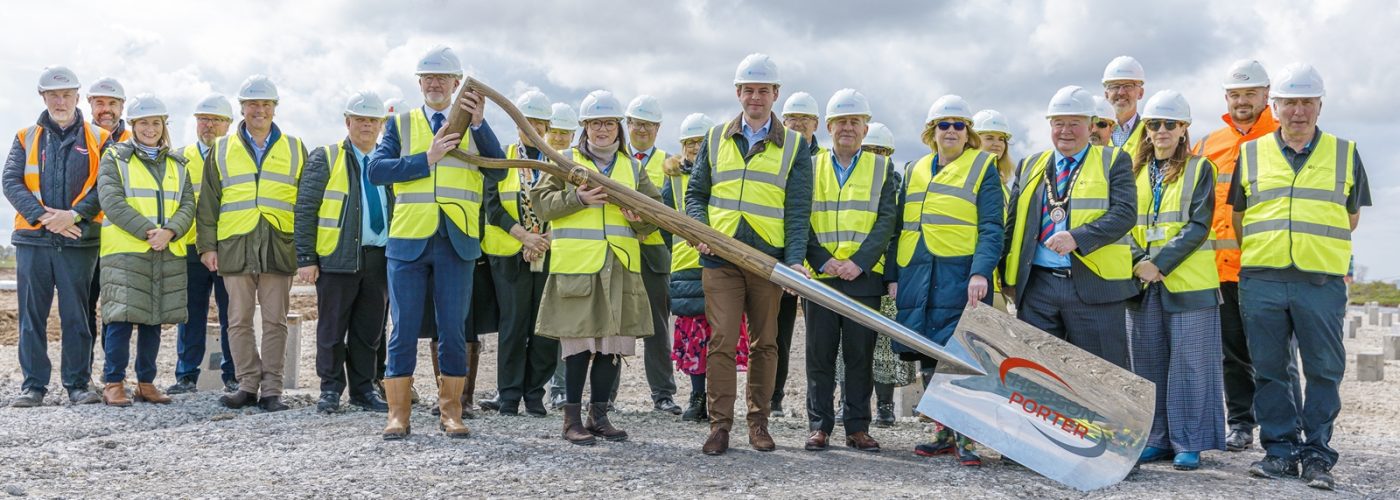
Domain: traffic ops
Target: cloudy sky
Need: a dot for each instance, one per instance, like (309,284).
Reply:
(1009,56)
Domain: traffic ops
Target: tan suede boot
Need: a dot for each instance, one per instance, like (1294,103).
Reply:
(114,394)
(450,407)
(148,393)
(398,390)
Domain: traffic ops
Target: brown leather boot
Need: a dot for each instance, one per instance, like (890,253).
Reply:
(114,394)
(450,407)
(148,393)
(469,391)
(759,438)
(717,443)
(398,392)
(598,424)
(573,425)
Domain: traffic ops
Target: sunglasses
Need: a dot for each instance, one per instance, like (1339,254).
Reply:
(959,126)
(1157,125)
(1101,124)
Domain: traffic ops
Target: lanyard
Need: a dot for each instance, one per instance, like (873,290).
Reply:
(1154,172)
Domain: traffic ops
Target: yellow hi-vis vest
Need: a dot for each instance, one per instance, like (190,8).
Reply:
(683,255)
(1197,272)
(842,216)
(249,194)
(331,214)
(194,169)
(156,200)
(656,174)
(581,240)
(1130,145)
(494,240)
(752,190)
(942,208)
(452,187)
(1088,201)
(1297,219)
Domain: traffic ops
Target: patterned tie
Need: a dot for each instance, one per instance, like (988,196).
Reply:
(437,121)
(1047,225)
(640,155)
(374,204)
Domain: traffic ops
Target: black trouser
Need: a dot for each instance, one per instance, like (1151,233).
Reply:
(524,361)
(787,315)
(1239,373)
(351,324)
(1051,303)
(826,331)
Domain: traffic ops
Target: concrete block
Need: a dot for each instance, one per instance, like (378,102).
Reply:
(1353,326)
(291,368)
(1390,347)
(906,398)
(211,377)
(1370,367)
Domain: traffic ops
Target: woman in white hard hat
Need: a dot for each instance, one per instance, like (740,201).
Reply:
(148,201)
(1174,324)
(953,218)
(995,133)
(690,343)
(598,305)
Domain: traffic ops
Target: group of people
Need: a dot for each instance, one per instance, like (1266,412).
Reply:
(1199,267)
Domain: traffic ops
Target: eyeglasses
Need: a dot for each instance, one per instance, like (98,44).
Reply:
(959,126)
(602,125)
(1102,124)
(1122,87)
(644,125)
(1158,124)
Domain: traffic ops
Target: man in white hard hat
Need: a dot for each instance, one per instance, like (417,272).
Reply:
(1297,199)
(853,221)
(212,116)
(1123,81)
(342,227)
(106,99)
(752,181)
(800,114)
(49,178)
(516,243)
(1247,118)
(1105,121)
(245,220)
(1067,261)
(643,122)
(435,232)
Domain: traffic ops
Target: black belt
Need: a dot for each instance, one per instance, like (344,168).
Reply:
(1058,272)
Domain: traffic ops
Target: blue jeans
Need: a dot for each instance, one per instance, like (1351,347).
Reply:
(41,271)
(189,345)
(1276,314)
(116,341)
(451,294)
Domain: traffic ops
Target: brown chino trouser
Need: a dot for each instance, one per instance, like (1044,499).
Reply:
(258,371)
(730,293)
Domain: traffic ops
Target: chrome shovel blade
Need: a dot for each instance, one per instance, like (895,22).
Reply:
(1050,406)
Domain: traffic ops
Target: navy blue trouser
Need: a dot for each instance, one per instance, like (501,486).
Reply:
(451,294)
(189,345)
(116,342)
(41,270)
(1276,314)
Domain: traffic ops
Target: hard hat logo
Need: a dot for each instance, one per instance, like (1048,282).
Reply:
(61,79)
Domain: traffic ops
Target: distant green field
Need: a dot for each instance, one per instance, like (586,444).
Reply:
(8,263)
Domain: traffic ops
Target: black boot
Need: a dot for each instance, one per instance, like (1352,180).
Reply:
(884,414)
(696,412)
(240,399)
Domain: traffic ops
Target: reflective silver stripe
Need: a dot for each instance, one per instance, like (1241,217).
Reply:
(238,205)
(239,179)
(594,234)
(415,198)
(1329,195)
(294,149)
(333,155)
(282,178)
(1144,219)
(221,154)
(746,174)
(1227,244)
(974,176)
(790,143)
(458,194)
(31,169)
(915,197)
(624,231)
(405,123)
(141,192)
(677,192)
(713,140)
(842,236)
(759,210)
(1188,191)
(1088,204)
(336,196)
(944,220)
(1343,157)
(1224,177)
(275,203)
(911,226)
(1312,228)
(328,222)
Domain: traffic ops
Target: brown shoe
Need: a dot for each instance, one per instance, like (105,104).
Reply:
(598,424)
(450,407)
(759,438)
(114,394)
(398,392)
(573,426)
(149,394)
(717,443)
(817,441)
(862,441)
(469,390)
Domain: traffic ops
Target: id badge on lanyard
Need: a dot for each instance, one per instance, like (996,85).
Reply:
(1156,233)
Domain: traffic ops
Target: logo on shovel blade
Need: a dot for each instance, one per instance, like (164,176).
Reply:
(1039,410)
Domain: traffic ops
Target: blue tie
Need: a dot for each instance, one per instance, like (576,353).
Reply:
(375,205)
(437,121)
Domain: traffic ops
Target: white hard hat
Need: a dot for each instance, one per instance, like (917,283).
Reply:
(214,104)
(563,117)
(440,60)
(144,106)
(599,104)
(645,108)
(57,78)
(1246,73)
(392,104)
(1071,101)
(1104,110)
(991,120)
(1167,105)
(1298,80)
(695,125)
(257,88)
(879,136)
(949,106)
(847,102)
(365,103)
(1124,68)
(107,87)
(534,104)
(757,68)
(800,103)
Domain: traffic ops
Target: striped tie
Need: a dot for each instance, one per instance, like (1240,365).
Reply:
(1047,225)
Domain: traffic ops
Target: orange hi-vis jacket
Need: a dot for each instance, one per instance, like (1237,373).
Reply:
(96,138)
(1222,147)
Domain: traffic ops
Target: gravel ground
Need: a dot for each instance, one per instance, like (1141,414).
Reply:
(194,448)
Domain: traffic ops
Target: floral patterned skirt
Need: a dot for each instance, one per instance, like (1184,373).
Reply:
(887,367)
(692,343)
